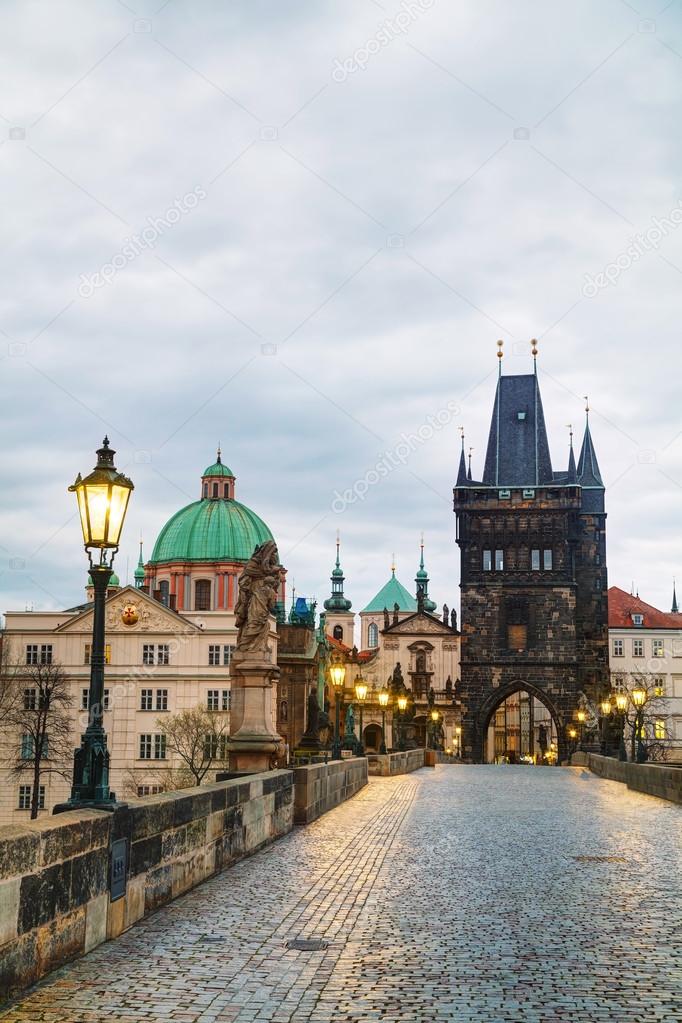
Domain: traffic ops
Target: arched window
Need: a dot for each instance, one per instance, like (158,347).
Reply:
(205,489)
(164,587)
(338,632)
(226,490)
(202,595)
(421,661)
(373,635)
(215,489)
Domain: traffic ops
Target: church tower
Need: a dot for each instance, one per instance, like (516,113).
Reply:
(339,619)
(533,570)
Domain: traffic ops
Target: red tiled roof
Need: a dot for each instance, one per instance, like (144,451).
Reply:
(363,655)
(623,605)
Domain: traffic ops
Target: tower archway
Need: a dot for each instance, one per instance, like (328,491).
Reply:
(518,723)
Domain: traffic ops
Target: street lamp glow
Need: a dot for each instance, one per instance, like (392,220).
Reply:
(402,703)
(458,730)
(434,715)
(621,702)
(638,696)
(383,698)
(361,689)
(606,707)
(102,501)
(572,733)
(581,716)
(337,671)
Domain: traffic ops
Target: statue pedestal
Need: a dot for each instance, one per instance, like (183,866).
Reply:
(253,739)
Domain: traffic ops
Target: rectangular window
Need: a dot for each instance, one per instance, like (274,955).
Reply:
(487,561)
(638,648)
(26,747)
(107,653)
(659,729)
(159,747)
(222,747)
(213,699)
(46,653)
(214,655)
(145,747)
(148,653)
(657,648)
(227,699)
(517,637)
(499,561)
(25,797)
(162,699)
(547,560)
(146,701)
(163,653)
(31,658)
(30,699)
(149,790)
(535,560)
(227,655)
(618,650)
(210,747)
(659,687)
(85,699)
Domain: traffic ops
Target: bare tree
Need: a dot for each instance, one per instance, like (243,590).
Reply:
(166,779)
(643,719)
(198,737)
(41,719)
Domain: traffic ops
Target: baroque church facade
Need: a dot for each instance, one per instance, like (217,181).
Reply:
(534,604)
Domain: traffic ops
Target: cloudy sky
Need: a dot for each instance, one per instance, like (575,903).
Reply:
(299,229)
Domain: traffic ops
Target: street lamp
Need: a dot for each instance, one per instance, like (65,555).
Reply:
(621,707)
(337,673)
(434,718)
(605,712)
(102,504)
(573,735)
(458,736)
(383,703)
(639,699)
(402,707)
(581,717)
(361,690)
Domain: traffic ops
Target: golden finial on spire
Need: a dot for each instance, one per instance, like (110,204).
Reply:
(587,403)
(500,346)
(569,427)
(534,347)
(393,564)
(219,452)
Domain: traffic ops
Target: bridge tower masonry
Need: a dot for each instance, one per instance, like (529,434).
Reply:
(534,613)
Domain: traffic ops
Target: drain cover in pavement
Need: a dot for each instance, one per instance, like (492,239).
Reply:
(211,939)
(308,944)
(600,859)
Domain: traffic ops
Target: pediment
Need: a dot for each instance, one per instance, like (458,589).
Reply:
(132,610)
(419,624)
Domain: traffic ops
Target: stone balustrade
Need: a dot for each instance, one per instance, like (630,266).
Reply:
(386,764)
(56,873)
(660,780)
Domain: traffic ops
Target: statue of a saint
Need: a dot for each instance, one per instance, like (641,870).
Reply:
(350,722)
(258,590)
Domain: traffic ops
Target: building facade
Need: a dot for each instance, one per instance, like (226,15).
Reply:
(645,648)
(533,576)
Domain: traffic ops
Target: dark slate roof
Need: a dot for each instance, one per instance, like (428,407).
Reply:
(588,466)
(518,450)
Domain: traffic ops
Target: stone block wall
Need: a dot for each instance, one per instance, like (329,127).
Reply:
(55,872)
(321,787)
(652,779)
(386,764)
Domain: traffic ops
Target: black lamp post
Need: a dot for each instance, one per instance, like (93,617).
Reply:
(337,672)
(434,725)
(402,707)
(383,703)
(581,717)
(102,503)
(606,709)
(621,708)
(361,690)
(639,698)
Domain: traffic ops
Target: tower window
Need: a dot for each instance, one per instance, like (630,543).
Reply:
(373,635)
(338,632)
(215,489)
(535,560)
(517,637)
(226,490)
(499,561)
(547,561)
(487,561)
(202,595)
(164,588)
(205,489)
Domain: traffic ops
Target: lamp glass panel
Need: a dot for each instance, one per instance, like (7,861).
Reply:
(383,699)
(83,512)
(97,500)
(117,509)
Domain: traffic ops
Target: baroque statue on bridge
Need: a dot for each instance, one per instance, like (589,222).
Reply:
(258,590)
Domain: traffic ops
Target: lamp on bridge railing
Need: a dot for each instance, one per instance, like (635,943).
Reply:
(458,738)
(361,690)
(435,715)
(572,735)
(621,708)
(606,708)
(337,673)
(581,718)
(402,707)
(639,699)
(383,703)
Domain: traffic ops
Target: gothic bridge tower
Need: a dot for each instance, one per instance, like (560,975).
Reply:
(533,571)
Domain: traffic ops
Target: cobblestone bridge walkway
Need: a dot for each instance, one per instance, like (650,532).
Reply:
(466,894)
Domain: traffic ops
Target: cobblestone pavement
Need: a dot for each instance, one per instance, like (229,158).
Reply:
(464,893)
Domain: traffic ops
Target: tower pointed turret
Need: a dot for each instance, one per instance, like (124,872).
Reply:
(675,608)
(339,619)
(422,582)
(337,601)
(572,471)
(139,571)
(588,466)
(462,471)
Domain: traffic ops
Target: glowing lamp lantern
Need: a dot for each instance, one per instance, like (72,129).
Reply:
(361,689)
(402,704)
(383,703)
(383,699)
(434,715)
(102,501)
(606,707)
(581,716)
(639,697)
(621,702)
(338,674)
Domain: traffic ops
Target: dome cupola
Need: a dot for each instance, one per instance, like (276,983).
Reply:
(217,482)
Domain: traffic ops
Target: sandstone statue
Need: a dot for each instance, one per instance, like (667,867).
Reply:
(258,591)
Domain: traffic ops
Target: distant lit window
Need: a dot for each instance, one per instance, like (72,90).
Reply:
(657,648)
(659,728)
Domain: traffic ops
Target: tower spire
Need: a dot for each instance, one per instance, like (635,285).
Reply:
(139,571)
(422,583)
(462,471)
(469,469)
(337,601)
(588,466)
(675,608)
(572,471)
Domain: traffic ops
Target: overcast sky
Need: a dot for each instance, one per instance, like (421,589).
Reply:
(366,196)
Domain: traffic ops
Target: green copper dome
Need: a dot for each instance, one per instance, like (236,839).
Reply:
(114,581)
(211,530)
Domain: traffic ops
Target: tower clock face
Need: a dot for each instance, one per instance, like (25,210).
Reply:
(129,615)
